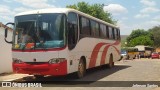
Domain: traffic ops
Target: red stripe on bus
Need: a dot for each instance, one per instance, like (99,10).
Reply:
(40,50)
(117,50)
(95,54)
(104,54)
(116,43)
(106,50)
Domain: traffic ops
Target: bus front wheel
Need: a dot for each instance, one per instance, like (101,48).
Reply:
(81,69)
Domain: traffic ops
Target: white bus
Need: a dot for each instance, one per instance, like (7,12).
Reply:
(60,41)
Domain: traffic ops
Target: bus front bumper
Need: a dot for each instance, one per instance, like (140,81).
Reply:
(41,69)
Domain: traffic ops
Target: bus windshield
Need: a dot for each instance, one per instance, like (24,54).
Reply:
(40,31)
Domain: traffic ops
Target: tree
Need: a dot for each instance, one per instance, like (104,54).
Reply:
(140,37)
(155,32)
(95,10)
(141,40)
(137,33)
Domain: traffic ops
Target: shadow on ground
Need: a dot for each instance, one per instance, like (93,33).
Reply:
(92,75)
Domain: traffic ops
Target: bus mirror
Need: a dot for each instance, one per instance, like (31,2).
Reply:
(6,32)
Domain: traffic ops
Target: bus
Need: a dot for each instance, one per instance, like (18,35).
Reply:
(129,53)
(145,51)
(60,41)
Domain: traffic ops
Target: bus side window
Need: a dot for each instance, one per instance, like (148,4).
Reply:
(107,32)
(102,31)
(113,33)
(97,29)
(72,30)
(94,28)
(116,34)
(110,33)
(84,26)
(119,36)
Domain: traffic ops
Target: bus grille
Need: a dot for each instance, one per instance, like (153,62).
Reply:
(36,63)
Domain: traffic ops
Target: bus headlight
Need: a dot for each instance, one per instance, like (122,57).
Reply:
(56,60)
(18,61)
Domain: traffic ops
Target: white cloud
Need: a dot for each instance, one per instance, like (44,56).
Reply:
(22,9)
(7,18)
(157,18)
(126,28)
(115,9)
(35,3)
(5,10)
(150,10)
(148,2)
(148,24)
(6,14)
(141,16)
(124,18)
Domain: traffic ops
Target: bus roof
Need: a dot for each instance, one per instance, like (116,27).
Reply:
(64,10)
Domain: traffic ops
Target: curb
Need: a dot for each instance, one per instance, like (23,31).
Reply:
(12,76)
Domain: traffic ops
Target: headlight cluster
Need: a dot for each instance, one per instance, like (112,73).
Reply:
(18,61)
(56,60)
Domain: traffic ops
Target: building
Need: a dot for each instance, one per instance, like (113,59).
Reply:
(157,50)
(5,51)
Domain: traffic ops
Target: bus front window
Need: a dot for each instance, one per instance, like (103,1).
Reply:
(43,30)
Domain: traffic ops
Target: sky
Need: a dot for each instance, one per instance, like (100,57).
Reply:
(130,14)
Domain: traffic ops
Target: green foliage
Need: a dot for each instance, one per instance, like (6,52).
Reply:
(123,43)
(137,33)
(140,37)
(95,10)
(141,40)
(155,35)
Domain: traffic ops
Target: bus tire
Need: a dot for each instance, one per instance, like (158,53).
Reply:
(111,63)
(38,76)
(81,68)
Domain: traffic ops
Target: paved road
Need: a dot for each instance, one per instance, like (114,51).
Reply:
(124,73)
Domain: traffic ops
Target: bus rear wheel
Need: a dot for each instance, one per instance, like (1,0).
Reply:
(111,63)
(81,69)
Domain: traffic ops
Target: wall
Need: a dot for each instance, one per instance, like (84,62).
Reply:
(157,49)
(5,53)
